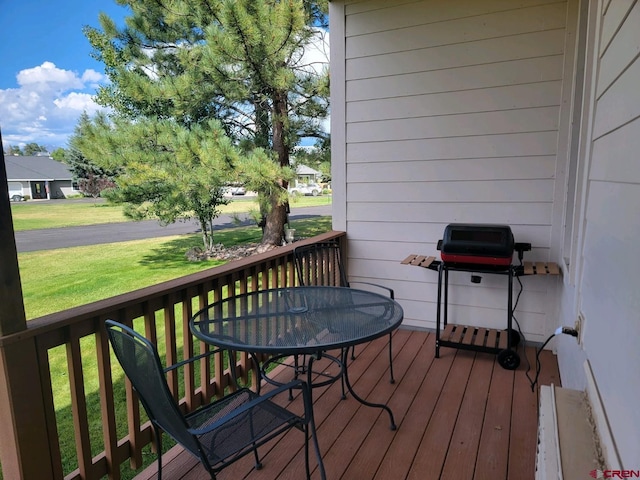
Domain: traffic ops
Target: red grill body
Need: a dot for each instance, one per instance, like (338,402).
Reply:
(477,244)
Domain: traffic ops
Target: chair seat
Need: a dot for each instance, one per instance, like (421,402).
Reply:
(235,436)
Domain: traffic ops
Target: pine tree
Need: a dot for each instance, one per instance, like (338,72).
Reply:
(240,62)
(166,171)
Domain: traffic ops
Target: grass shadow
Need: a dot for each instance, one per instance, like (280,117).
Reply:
(171,254)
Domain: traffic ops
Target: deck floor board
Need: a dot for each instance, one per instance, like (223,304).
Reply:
(459,416)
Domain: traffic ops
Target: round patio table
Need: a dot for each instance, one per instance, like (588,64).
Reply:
(300,321)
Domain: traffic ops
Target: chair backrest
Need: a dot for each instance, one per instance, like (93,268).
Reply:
(140,362)
(320,264)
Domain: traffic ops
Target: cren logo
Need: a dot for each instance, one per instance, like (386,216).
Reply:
(615,474)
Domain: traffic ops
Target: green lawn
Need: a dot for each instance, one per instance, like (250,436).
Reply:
(68,213)
(54,280)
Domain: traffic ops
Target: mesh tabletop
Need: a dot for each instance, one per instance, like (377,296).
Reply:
(297,319)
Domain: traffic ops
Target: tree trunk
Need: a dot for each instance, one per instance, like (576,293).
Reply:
(273,232)
(274,227)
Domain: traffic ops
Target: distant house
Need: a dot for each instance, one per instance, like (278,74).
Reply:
(306,174)
(38,177)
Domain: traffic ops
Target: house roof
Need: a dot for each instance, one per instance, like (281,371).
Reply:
(304,170)
(24,168)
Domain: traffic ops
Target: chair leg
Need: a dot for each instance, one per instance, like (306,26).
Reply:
(255,455)
(306,452)
(158,435)
(310,428)
(391,380)
(343,358)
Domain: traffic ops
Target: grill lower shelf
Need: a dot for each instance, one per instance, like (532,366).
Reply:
(474,338)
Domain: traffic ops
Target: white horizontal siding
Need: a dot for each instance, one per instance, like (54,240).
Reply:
(476,77)
(612,154)
(527,45)
(491,99)
(507,191)
(460,125)
(481,146)
(613,20)
(609,284)
(451,115)
(380,15)
(621,51)
(616,107)
(501,168)
(472,212)
(447,32)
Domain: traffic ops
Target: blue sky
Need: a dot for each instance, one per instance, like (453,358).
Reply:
(47,76)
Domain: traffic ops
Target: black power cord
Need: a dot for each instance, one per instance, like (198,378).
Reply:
(559,331)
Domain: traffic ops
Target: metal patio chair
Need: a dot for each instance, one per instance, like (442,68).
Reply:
(321,264)
(217,434)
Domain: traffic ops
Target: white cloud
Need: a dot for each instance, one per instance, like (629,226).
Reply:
(91,75)
(49,77)
(79,102)
(46,105)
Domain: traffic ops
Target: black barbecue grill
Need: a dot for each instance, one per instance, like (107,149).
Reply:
(479,248)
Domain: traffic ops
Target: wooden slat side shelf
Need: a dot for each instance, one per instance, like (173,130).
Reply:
(418,261)
(541,268)
(528,268)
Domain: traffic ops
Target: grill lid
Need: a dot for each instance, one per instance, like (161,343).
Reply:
(481,244)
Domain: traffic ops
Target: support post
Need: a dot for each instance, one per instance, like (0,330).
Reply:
(24,447)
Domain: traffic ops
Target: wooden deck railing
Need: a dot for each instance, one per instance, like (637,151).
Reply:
(162,312)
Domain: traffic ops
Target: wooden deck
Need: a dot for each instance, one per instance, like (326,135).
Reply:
(459,417)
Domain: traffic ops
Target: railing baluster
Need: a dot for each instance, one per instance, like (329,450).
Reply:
(107,407)
(268,270)
(79,406)
(170,341)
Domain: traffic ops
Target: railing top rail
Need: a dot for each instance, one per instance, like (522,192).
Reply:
(53,321)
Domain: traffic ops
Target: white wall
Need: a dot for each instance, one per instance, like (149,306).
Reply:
(609,286)
(460,111)
(447,112)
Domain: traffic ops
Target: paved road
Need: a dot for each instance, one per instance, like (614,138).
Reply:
(50,238)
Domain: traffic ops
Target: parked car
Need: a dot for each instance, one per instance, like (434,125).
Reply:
(306,189)
(234,190)
(17,198)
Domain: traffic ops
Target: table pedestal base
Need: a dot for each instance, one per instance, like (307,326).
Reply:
(302,365)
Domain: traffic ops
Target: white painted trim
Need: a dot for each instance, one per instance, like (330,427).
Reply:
(567,109)
(338,115)
(607,442)
(556,433)
(547,460)
(592,65)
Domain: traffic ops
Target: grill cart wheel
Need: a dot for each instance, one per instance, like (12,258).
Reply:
(508,359)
